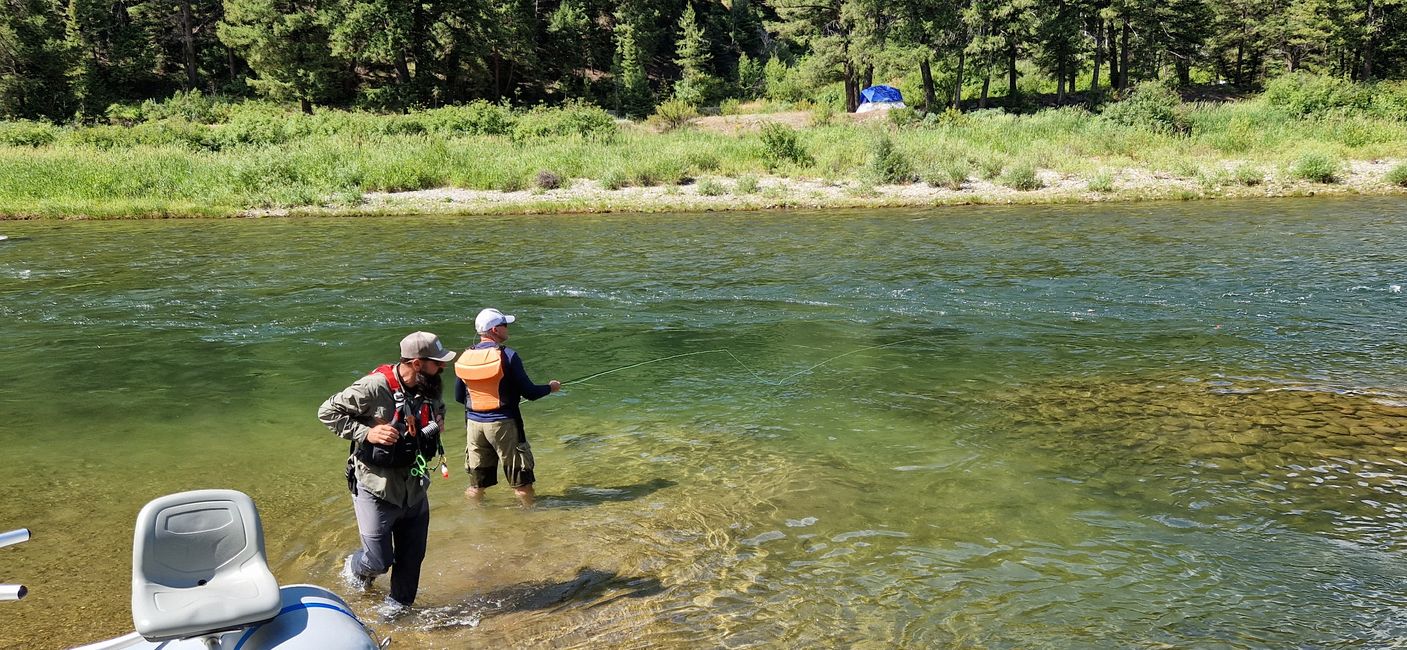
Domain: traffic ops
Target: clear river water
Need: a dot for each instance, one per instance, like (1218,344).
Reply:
(1147,425)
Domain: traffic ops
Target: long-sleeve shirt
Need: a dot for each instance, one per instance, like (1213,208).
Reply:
(513,387)
(351,413)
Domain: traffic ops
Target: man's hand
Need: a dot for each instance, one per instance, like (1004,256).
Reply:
(382,434)
(555,385)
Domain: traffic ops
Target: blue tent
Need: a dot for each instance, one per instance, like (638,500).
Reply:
(881,94)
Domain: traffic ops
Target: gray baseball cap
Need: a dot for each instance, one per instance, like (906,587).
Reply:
(424,345)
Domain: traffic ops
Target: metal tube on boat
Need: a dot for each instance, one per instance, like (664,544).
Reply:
(14,537)
(12,592)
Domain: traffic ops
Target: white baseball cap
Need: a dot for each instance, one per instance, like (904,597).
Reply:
(491,318)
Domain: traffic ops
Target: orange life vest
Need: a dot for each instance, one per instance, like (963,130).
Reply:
(481,371)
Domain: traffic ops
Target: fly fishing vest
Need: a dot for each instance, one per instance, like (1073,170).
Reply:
(481,370)
(412,419)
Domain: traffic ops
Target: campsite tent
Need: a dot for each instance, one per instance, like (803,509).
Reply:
(880,98)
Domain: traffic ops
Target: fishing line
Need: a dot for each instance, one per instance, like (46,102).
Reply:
(760,378)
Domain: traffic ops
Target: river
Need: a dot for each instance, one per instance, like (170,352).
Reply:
(1136,425)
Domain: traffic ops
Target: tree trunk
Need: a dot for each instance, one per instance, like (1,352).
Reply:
(497,75)
(1098,59)
(986,84)
(1369,44)
(402,69)
(852,94)
(1124,55)
(1241,64)
(1011,73)
(1060,83)
(868,79)
(930,99)
(305,104)
(957,91)
(1111,44)
(1184,71)
(188,43)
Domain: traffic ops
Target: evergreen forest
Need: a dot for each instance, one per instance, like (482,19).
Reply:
(89,60)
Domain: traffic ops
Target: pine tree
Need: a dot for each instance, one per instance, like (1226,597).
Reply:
(633,96)
(110,58)
(750,77)
(698,85)
(826,28)
(285,42)
(570,28)
(33,61)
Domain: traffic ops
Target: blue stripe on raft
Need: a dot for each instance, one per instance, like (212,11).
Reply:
(293,608)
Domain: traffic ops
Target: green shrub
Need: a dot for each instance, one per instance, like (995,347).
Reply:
(990,167)
(730,106)
(823,115)
(1306,94)
(614,180)
(1021,176)
(746,185)
(1149,105)
(1316,167)
(781,83)
(951,174)
(192,106)
(511,183)
(702,161)
(27,134)
(1213,178)
(1248,175)
(1102,182)
(156,134)
(711,187)
(1397,175)
(574,119)
(255,128)
(888,165)
(673,114)
(698,90)
(475,118)
(949,117)
(780,144)
(862,190)
(903,117)
(1390,100)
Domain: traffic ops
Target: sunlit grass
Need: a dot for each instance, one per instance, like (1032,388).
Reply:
(270,160)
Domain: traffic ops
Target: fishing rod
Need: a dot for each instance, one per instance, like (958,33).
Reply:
(760,378)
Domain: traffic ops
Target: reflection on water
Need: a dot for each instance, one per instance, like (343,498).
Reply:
(1026,427)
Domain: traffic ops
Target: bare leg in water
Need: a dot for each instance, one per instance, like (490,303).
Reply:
(525,494)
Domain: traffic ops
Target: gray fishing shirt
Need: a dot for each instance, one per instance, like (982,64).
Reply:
(352,413)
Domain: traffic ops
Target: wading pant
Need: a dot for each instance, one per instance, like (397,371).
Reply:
(392,538)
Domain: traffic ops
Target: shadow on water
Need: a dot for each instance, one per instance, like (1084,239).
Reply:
(590,587)
(582,496)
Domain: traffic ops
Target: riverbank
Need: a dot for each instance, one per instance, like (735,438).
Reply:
(721,194)
(489,159)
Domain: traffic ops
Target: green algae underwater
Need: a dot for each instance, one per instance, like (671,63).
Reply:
(1150,425)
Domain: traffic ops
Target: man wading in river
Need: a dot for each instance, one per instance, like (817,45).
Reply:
(491,381)
(393,417)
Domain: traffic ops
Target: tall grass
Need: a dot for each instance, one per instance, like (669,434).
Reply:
(263,156)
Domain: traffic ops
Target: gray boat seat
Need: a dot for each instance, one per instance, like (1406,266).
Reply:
(198,566)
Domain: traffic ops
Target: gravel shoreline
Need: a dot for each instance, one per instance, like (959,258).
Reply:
(709,194)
